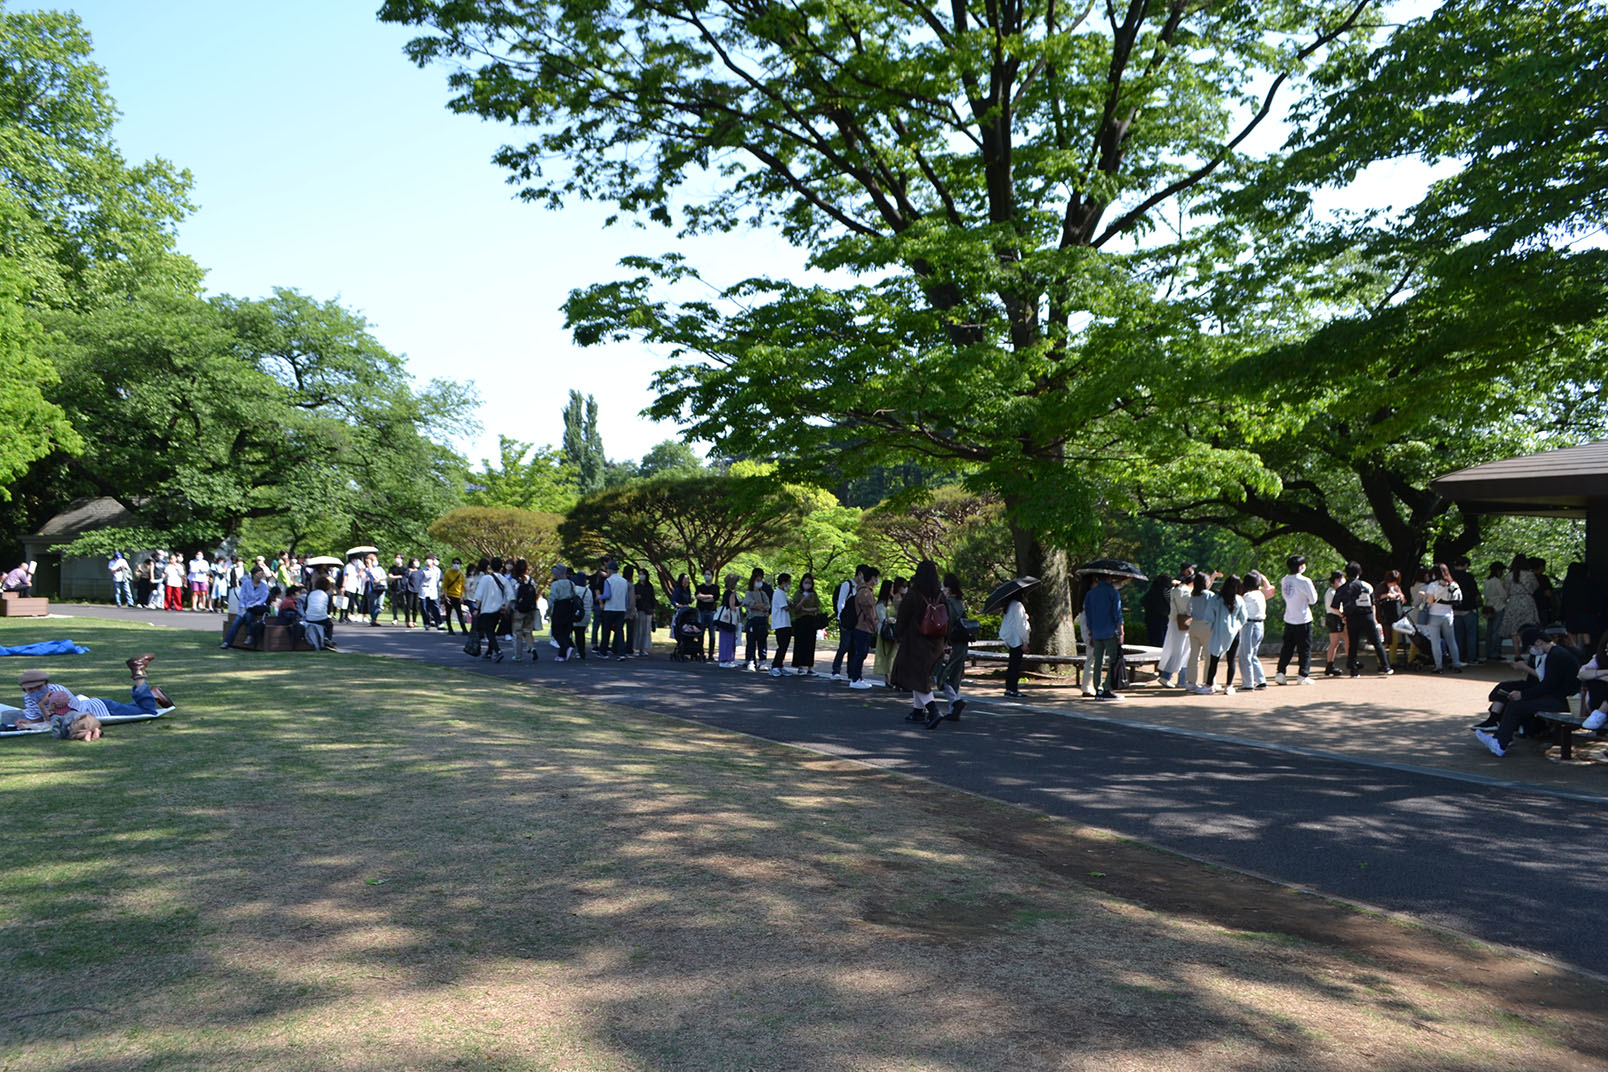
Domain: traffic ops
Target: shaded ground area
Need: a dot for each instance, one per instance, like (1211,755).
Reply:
(362,865)
(1499,861)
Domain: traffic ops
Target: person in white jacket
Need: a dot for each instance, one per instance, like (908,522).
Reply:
(491,593)
(1014,630)
(781,623)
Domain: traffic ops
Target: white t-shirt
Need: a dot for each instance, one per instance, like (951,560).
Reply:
(491,592)
(1445,595)
(431,588)
(780,616)
(1255,606)
(1299,595)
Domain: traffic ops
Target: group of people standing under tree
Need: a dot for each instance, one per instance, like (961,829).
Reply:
(1435,616)
(915,631)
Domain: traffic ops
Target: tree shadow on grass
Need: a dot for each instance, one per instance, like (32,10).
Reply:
(412,868)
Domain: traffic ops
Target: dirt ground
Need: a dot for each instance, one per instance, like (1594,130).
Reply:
(410,868)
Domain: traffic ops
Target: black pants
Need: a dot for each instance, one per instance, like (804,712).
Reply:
(1232,656)
(1526,713)
(1364,630)
(804,647)
(1013,669)
(613,629)
(580,640)
(455,606)
(486,626)
(410,606)
(784,637)
(1298,642)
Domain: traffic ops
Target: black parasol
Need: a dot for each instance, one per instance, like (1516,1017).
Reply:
(1112,567)
(998,597)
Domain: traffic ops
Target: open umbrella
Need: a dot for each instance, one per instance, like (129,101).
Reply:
(350,551)
(1112,567)
(324,560)
(998,596)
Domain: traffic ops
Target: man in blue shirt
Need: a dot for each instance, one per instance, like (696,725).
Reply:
(1102,610)
(253,594)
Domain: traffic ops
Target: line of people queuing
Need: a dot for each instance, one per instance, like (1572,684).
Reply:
(914,631)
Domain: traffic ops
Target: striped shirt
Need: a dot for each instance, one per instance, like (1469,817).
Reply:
(89,705)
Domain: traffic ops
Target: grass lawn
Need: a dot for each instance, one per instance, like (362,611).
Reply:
(349,862)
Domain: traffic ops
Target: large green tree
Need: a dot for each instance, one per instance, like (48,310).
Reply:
(583,444)
(1464,326)
(77,220)
(674,524)
(1017,197)
(525,477)
(284,412)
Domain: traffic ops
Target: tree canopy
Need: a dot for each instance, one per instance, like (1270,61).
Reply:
(500,532)
(1023,193)
(682,523)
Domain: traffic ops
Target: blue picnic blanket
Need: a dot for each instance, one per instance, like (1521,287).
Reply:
(46,647)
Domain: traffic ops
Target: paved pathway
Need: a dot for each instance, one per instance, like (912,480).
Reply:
(1370,790)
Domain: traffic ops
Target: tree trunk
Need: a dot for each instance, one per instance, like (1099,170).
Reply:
(1049,604)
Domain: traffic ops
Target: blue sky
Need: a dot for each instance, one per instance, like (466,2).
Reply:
(325,161)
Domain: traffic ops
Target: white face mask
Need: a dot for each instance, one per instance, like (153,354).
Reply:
(808,585)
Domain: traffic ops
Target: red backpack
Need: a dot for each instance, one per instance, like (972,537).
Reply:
(935,619)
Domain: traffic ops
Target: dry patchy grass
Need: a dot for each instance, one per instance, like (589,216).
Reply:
(361,864)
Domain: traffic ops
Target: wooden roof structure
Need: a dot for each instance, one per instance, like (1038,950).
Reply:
(1569,482)
(1556,483)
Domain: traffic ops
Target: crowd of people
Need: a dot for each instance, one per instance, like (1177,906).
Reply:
(1211,626)
(1431,620)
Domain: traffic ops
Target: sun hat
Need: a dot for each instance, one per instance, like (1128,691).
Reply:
(32,678)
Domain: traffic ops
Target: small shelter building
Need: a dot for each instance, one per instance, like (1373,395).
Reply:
(1569,482)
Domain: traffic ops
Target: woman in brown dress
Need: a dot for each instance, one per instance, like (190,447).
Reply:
(918,653)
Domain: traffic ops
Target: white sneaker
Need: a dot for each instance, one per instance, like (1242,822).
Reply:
(1304,680)
(1280,679)
(861,684)
(776,671)
(727,666)
(1595,720)
(1228,690)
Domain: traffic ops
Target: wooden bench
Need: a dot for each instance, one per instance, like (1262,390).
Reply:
(1136,656)
(15,605)
(275,637)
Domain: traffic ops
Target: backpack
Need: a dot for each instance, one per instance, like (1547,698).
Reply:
(847,616)
(935,619)
(525,597)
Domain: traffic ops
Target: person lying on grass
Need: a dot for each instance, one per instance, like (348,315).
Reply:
(45,702)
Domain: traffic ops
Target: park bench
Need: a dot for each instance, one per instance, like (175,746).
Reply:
(15,605)
(276,636)
(1135,655)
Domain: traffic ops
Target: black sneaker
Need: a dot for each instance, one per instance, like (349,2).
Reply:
(498,659)
(955,709)
(918,715)
(1489,724)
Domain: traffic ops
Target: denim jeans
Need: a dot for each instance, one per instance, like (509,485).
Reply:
(144,703)
(122,593)
(1250,647)
(1438,630)
(859,644)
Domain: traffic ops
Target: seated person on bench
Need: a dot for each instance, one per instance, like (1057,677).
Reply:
(1594,679)
(253,605)
(1522,703)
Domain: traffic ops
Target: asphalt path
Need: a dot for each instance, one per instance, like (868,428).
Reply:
(1506,864)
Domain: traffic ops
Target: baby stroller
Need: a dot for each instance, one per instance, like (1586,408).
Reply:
(689,636)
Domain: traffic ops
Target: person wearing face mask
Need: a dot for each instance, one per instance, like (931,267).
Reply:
(1552,683)
(707,599)
(807,621)
(756,607)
